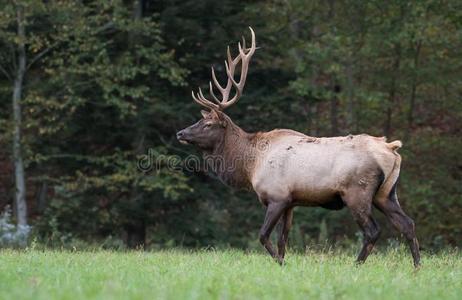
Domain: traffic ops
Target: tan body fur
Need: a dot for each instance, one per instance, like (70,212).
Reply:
(312,171)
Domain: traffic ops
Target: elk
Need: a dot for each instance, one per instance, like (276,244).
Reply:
(286,168)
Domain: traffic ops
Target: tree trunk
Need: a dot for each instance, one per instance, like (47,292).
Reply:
(391,97)
(309,116)
(334,109)
(333,116)
(138,6)
(333,85)
(20,184)
(351,99)
(135,229)
(315,114)
(410,117)
(135,235)
(358,102)
(392,92)
(312,116)
(42,197)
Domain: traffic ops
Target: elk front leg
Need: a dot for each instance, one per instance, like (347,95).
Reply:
(286,224)
(273,213)
(371,233)
(359,201)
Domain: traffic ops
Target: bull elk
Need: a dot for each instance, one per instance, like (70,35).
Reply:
(287,168)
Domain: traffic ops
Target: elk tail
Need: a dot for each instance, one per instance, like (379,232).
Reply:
(395,145)
(391,178)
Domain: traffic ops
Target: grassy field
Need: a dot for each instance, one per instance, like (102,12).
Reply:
(225,275)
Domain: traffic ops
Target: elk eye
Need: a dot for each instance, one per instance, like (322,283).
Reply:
(207,125)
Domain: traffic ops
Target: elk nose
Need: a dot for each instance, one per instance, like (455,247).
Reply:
(180,134)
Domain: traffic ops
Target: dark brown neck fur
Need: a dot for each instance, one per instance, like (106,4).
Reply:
(233,158)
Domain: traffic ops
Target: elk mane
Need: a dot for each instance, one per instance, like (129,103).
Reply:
(233,159)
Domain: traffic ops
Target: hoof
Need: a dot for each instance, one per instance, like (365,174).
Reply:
(359,262)
(280,261)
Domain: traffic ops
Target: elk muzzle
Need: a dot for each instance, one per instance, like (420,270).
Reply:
(182,136)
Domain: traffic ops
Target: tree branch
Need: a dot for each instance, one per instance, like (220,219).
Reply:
(40,55)
(108,25)
(13,54)
(5,72)
(44,52)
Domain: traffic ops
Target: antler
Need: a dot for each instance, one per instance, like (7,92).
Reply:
(230,65)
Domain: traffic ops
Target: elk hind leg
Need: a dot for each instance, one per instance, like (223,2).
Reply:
(402,222)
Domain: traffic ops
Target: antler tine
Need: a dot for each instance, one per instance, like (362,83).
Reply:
(228,52)
(202,101)
(230,67)
(230,72)
(213,94)
(201,96)
(215,81)
(245,59)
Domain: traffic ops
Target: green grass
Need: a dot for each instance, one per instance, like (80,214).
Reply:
(226,274)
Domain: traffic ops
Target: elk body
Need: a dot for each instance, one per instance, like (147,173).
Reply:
(287,168)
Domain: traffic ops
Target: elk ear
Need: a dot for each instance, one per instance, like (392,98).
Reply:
(215,115)
(218,115)
(205,114)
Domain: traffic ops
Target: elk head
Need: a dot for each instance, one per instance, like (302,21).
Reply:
(210,130)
